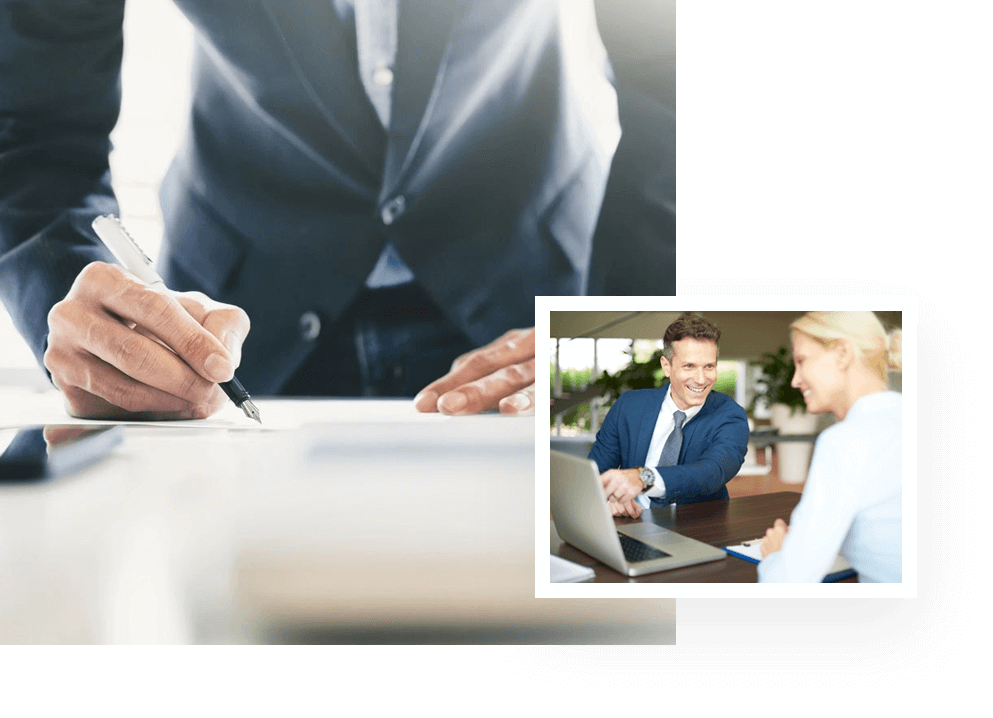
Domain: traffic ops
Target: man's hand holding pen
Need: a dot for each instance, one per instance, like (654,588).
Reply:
(118,348)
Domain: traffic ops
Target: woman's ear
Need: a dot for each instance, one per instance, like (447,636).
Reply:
(845,354)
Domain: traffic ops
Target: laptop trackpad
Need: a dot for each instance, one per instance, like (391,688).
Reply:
(643,530)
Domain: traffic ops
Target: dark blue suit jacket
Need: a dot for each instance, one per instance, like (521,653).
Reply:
(275,201)
(714,444)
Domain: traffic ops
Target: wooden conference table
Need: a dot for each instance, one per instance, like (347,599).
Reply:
(718,523)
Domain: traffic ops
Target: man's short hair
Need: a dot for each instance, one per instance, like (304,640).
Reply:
(689,325)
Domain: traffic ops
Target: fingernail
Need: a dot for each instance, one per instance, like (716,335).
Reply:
(452,402)
(520,401)
(218,368)
(426,401)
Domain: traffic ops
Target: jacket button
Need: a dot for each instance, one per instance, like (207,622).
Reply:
(393,209)
(310,326)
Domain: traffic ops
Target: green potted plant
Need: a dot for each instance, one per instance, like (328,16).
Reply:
(789,413)
(774,384)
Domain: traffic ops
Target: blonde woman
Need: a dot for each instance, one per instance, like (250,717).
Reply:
(852,499)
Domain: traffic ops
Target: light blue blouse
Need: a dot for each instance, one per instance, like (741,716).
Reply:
(851,501)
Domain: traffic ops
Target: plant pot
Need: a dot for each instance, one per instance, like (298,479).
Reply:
(794,456)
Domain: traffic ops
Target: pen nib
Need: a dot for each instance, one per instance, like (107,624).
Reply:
(251,410)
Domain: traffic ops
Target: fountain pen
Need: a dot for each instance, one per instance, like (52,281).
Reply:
(112,233)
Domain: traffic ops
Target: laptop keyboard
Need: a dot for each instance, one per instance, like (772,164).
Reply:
(635,550)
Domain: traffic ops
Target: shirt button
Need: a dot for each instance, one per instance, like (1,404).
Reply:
(393,209)
(310,326)
(382,75)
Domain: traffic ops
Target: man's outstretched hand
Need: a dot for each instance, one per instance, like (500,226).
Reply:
(499,375)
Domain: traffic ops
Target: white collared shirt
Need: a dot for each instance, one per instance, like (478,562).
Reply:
(376,46)
(664,426)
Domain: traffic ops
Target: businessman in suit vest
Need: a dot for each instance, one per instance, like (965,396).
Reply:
(382,186)
(681,443)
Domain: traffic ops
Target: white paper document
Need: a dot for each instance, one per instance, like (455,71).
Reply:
(19,408)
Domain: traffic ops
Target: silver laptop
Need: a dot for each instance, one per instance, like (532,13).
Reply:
(583,519)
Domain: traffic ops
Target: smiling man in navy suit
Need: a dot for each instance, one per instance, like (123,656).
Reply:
(681,443)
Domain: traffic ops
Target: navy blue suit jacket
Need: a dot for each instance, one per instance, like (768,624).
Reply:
(714,444)
(276,199)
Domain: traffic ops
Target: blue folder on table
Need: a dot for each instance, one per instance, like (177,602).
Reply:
(751,551)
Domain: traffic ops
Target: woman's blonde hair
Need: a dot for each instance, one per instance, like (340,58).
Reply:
(873,346)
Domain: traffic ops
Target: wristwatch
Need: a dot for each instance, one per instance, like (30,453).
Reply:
(647,477)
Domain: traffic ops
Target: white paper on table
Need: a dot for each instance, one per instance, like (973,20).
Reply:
(20,408)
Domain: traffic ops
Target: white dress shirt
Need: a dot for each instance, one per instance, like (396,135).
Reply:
(664,426)
(851,502)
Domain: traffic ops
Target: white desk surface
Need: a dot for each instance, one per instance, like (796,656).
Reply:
(340,521)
